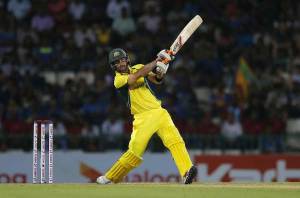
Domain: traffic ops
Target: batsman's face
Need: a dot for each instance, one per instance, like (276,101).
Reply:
(122,65)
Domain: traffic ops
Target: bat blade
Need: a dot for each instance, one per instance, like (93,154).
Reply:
(185,34)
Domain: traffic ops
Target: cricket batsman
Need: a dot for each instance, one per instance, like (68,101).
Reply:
(149,117)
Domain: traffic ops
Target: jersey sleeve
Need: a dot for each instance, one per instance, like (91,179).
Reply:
(120,80)
(135,69)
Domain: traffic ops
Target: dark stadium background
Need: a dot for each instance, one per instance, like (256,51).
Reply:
(53,65)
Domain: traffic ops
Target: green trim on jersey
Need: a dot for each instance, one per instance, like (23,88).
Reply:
(124,93)
(150,89)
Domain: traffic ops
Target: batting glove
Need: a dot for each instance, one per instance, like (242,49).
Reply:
(161,68)
(166,56)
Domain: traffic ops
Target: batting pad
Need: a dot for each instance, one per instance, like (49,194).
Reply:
(123,166)
(181,157)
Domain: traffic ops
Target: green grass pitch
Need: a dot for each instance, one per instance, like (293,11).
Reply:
(147,190)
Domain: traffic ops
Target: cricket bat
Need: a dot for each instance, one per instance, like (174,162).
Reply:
(185,34)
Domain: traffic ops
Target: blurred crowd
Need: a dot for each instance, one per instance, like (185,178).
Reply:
(200,92)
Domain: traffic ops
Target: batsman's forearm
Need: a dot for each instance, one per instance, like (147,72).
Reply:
(146,69)
(142,72)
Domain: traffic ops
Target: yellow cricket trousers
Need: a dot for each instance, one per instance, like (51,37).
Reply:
(144,126)
(159,121)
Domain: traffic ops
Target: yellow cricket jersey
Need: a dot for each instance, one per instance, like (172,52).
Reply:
(141,98)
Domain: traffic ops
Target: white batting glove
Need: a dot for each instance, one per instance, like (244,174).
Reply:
(161,68)
(165,55)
